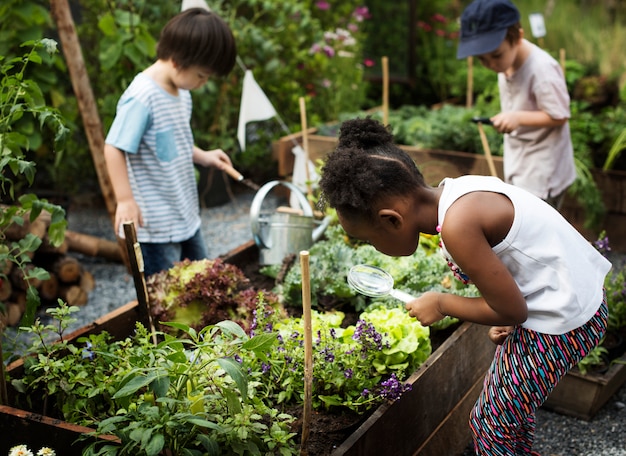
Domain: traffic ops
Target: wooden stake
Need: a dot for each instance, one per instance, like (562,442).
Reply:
(305,146)
(135,259)
(72,51)
(470,82)
(4,397)
(308,350)
(385,64)
(483,138)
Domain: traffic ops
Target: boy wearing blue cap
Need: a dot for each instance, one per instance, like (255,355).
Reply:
(538,152)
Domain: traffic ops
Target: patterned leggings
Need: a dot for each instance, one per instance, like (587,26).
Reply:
(524,371)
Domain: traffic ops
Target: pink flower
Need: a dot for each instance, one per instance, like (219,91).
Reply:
(369,63)
(323,5)
(361,13)
(424,26)
(439,18)
(440,32)
(315,49)
(329,51)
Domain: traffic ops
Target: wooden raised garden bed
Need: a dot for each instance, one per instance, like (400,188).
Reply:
(437,164)
(431,419)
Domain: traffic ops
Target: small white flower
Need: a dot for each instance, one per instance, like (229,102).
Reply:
(45,451)
(50,45)
(20,450)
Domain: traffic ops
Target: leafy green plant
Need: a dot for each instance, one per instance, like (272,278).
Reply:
(595,358)
(20,98)
(332,257)
(219,390)
(203,292)
(356,367)
(184,395)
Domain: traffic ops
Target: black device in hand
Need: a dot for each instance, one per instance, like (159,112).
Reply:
(483,120)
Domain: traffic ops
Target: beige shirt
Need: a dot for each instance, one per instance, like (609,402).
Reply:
(540,160)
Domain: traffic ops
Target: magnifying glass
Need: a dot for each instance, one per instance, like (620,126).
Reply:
(375,282)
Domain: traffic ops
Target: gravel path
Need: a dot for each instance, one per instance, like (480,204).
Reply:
(227,226)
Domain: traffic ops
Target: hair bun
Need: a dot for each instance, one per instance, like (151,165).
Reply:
(363,134)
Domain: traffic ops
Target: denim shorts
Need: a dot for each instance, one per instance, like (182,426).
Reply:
(161,256)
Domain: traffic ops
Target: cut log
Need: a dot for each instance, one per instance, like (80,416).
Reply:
(67,269)
(93,246)
(49,289)
(73,295)
(5,289)
(87,281)
(11,315)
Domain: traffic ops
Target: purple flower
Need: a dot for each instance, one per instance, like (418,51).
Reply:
(392,388)
(329,51)
(348,373)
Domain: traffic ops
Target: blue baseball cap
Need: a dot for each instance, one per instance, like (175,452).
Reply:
(484,24)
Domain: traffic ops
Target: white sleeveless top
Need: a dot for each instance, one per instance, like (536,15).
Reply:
(558,271)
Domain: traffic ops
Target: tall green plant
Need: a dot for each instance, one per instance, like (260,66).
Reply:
(21,98)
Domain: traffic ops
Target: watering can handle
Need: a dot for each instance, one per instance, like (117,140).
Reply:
(255,207)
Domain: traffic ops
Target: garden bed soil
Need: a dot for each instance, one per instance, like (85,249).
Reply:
(430,419)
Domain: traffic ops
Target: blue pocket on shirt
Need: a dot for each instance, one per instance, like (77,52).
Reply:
(166,146)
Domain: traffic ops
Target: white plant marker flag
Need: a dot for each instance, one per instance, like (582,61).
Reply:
(194,4)
(254,106)
(299,177)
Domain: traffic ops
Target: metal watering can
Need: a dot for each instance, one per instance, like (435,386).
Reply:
(281,233)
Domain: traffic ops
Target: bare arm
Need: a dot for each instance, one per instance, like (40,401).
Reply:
(127,208)
(506,122)
(473,224)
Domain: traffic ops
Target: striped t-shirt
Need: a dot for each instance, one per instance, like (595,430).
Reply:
(153,128)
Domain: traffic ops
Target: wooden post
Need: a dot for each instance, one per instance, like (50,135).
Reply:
(70,45)
(470,83)
(308,350)
(135,258)
(483,138)
(305,146)
(385,63)
(4,397)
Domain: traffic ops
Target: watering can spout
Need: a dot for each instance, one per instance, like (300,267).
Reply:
(319,231)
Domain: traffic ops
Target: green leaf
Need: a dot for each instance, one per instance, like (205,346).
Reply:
(135,384)
(231,327)
(155,445)
(233,368)
(260,343)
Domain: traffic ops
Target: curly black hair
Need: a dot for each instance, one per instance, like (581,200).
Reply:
(366,165)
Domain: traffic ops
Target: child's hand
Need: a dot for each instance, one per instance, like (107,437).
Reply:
(505,122)
(216,158)
(426,308)
(498,334)
(127,211)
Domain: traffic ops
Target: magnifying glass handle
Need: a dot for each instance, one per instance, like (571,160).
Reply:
(401,295)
